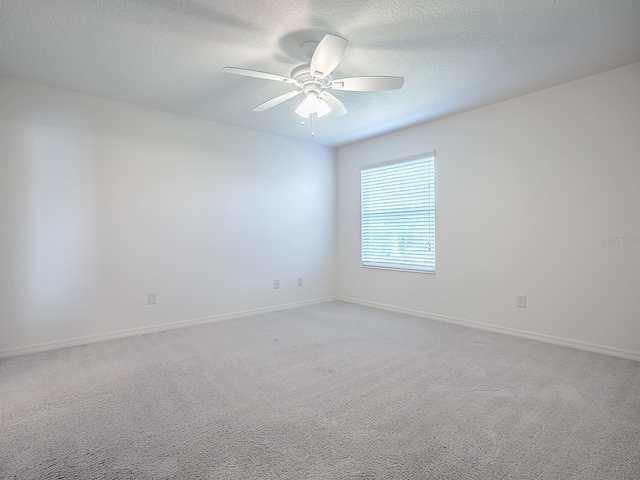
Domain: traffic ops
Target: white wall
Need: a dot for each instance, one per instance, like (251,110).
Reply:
(102,202)
(526,191)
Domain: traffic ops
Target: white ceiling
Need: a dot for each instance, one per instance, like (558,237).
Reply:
(455,55)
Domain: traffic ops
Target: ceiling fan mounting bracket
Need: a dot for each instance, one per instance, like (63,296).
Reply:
(308,48)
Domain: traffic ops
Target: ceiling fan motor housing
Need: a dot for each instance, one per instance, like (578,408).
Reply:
(303,76)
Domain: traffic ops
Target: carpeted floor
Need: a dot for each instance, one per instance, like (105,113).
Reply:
(331,391)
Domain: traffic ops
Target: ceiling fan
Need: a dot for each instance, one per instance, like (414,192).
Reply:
(314,78)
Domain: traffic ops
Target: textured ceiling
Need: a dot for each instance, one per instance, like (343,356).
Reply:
(455,55)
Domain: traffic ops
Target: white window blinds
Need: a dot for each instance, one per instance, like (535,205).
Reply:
(398,215)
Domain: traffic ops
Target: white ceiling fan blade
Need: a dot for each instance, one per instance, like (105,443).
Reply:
(367,84)
(327,55)
(337,107)
(276,101)
(256,74)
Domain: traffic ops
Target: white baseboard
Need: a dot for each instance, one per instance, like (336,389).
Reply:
(566,342)
(591,347)
(72,342)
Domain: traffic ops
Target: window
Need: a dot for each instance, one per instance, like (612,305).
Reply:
(398,215)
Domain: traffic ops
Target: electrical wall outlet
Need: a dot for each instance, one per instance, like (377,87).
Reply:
(521,301)
(299,281)
(276,284)
(152,298)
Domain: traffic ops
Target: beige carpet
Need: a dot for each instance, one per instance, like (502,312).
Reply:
(330,391)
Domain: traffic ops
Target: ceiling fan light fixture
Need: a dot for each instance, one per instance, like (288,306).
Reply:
(312,104)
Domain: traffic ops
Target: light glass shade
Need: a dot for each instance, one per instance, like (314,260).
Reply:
(312,104)
(323,108)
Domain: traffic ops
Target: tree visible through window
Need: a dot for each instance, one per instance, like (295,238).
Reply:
(398,215)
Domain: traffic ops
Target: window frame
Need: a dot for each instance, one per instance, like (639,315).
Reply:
(427,155)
